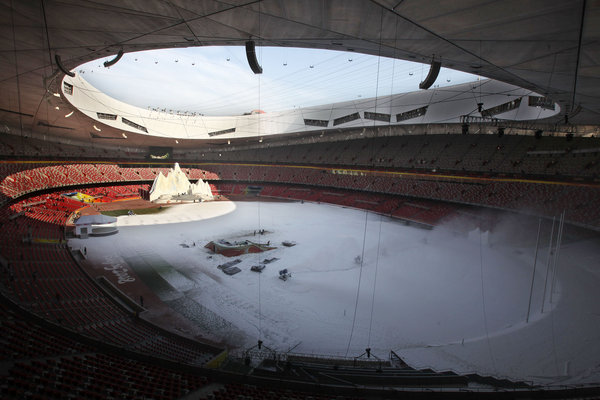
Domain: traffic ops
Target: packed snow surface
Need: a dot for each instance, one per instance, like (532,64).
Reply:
(437,298)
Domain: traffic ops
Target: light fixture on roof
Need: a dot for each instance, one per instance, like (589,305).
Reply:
(260,140)
(98,129)
(434,71)
(69,114)
(61,67)
(57,108)
(251,56)
(124,135)
(228,141)
(115,60)
(176,141)
(56,94)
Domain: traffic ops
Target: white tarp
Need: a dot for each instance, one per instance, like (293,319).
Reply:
(98,219)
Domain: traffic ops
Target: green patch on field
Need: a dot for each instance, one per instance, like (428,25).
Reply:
(138,211)
(160,276)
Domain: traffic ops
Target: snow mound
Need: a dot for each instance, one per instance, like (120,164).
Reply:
(176,183)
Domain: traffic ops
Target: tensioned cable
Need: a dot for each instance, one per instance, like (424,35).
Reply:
(548,261)
(164,28)
(485,322)
(240,97)
(12,22)
(322,79)
(258,118)
(304,81)
(393,68)
(372,156)
(153,32)
(547,87)
(449,99)
(558,239)
(362,254)
(375,280)
(362,258)
(555,357)
(579,46)
(557,254)
(454,44)
(47,33)
(479,79)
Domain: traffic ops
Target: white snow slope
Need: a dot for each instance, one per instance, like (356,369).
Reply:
(176,183)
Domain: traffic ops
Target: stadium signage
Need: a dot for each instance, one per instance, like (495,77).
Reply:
(118,269)
(543,102)
(347,172)
(316,122)
(67,88)
(417,112)
(224,131)
(346,118)
(502,108)
(378,116)
(134,125)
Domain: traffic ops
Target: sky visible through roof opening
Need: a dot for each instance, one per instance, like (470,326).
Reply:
(218,81)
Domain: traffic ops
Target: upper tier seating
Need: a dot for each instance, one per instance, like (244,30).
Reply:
(476,153)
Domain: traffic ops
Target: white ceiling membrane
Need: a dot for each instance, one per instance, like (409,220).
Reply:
(435,106)
(550,48)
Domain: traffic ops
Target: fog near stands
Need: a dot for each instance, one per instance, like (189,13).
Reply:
(455,297)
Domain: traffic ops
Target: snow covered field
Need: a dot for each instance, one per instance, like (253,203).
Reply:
(437,298)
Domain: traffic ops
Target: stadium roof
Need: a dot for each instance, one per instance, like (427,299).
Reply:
(551,48)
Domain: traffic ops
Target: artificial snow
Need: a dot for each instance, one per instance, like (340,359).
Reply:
(175,184)
(437,298)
